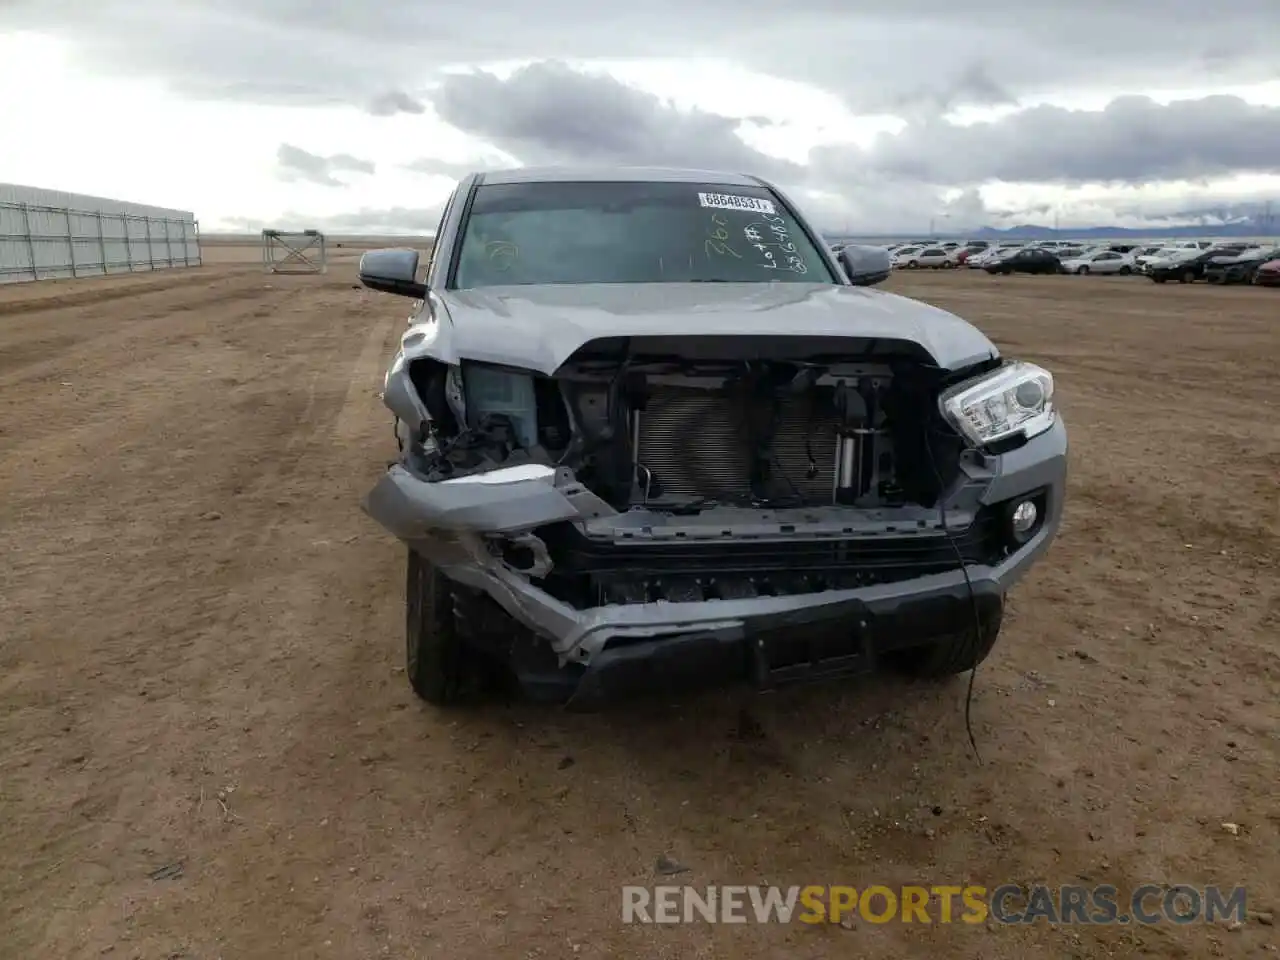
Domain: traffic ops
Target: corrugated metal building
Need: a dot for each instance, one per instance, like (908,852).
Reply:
(48,233)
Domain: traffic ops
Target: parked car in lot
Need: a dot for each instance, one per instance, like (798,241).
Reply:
(936,257)
(979,260)
(1239,269)
(1267,274)
(1142,254)
(1027,260)
(651,431)
(1164,255)
(903,255)
(1185,270)
(1101,261)
(961,255)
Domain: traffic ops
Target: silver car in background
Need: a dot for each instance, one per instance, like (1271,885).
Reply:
(1099,261)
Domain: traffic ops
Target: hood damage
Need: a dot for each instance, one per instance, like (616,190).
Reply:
(540,327)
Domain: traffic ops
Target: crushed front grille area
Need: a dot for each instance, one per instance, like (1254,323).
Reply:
(696,444)
(592,572)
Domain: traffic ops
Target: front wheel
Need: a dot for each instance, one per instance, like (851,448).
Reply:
(913,264)
(947,264)
(957,653)
(1125,271)
(1082,271)
(1187,277)
(433,650)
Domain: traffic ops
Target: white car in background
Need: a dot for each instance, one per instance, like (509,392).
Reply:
(1165,255)
(1099,261)
(937,257)
(915,257)
(980,260)
(903,254)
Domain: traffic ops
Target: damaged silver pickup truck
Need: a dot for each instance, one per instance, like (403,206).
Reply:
(652,430)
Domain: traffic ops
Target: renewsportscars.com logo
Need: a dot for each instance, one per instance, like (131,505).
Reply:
(1149,903)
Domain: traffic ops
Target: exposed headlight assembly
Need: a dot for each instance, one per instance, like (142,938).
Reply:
(1016,399)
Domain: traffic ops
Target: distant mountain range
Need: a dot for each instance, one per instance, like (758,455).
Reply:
(1246,228)
(1253,220)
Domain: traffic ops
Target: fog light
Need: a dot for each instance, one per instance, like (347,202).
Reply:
(1024,517)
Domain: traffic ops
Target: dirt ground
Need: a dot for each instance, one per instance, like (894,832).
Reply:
(208,748)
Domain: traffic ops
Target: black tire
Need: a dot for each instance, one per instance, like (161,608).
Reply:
(947,265)
(434,654)
(958,653)
(1125,271)
(913,264)
(1187,276)
(1082,270)
(1159,279)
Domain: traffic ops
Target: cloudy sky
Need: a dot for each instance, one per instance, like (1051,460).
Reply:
(877,116)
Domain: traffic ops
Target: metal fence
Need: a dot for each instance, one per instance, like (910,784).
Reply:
(43,242)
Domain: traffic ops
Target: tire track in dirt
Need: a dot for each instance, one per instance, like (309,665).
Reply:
(49,351)
(295,578)
(364,393)
(90,405)
(36,298)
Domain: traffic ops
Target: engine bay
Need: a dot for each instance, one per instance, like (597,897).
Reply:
(682,435)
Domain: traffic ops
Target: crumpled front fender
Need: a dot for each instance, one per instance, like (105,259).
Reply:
(413,510)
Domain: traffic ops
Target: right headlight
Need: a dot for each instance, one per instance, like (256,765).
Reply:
(1015,399)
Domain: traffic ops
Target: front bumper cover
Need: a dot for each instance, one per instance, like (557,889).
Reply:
(764,650)
(456,526)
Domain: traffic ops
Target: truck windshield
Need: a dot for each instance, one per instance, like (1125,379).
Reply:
(632,232)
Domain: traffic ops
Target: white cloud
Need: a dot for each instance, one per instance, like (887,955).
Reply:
(136,141)
(141,140)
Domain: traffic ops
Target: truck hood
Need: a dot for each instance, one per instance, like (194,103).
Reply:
(539,327)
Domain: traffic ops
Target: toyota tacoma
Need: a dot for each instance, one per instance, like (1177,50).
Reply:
(653,431)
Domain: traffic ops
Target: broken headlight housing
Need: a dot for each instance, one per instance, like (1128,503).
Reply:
(1016,399)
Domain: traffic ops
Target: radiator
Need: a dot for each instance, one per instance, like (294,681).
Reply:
(695,443)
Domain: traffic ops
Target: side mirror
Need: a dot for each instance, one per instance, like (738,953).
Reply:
(865,266)
(392,271)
